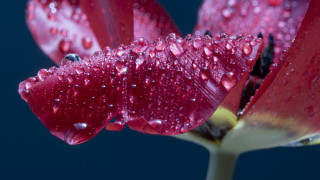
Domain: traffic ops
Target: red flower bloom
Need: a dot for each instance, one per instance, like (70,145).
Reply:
(171,85)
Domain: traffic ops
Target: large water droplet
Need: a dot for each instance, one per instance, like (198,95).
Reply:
(247,49)
(70,58)
(78,133)
(42,74)
(155,123)
(228,80)
(176,49)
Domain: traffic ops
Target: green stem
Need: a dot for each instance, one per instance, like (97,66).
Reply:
(221,165)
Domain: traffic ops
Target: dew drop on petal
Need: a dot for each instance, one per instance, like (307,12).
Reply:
(176,49)
(197,43)
(65,46)
(247,49)
(228,80)
(155,123)
(87,42)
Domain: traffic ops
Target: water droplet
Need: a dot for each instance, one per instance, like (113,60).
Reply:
(197,43)
(176,49)
(247,49)
(155,123)
(152,53)
(70,58)
(193,99)
(86,81)
(53,31)
(69,79)
(140,45)
(173,35)
(131,99)
(65,45)
(207,51)
(160,46)
(79,71)
(87,42)
(215,59)
(203,77)
(139,61)
(185,128)
(42,74)
(133,85)
(55,109)
(228,80)
(249,61)
(229,46)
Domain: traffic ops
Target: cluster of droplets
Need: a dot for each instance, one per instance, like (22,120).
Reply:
(60,12)
(165,82)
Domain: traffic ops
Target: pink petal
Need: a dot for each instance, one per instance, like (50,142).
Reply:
(62,26)
(289,97)
(280,18)
(164,87)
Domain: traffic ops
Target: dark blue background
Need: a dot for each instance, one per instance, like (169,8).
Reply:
(29,151)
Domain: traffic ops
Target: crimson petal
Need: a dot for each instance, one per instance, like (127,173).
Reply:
(281,18)
(165,87)
(290,99)
(63,26)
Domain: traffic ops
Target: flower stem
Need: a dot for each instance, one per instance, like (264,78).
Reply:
(221,165)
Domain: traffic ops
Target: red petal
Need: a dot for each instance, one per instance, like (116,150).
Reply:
(63,26)
(60,27)
(166,87)
(281,18)
(110,20)
(151,21)
(290,101)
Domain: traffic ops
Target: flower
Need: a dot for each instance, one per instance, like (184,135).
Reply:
(172,86)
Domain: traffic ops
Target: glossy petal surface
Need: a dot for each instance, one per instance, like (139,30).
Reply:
(165,87)
(290,100)
(63,26)
(280,18)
